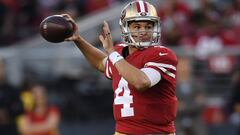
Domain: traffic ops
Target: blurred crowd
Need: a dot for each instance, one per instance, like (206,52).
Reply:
(20,19)
(38,107)
(214,21)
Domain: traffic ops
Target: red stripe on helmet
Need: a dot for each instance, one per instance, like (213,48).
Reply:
(145,7)
(138,7)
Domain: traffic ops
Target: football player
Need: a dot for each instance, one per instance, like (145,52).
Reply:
(143,72)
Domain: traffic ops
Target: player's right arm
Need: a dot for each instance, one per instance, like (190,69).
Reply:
(94,56)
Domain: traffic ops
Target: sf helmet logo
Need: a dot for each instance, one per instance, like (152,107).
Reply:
(143,13)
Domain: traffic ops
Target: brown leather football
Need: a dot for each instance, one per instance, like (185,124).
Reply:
(56,28)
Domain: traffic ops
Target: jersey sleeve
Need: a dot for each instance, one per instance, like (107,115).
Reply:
(164,61)
(108,69)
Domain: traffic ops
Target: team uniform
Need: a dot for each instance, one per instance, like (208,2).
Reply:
(151,111)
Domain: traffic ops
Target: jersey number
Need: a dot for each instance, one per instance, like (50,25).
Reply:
(126,99)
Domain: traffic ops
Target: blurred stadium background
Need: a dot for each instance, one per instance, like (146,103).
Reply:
(203,33)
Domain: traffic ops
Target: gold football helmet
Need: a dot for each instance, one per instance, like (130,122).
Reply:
(140,10)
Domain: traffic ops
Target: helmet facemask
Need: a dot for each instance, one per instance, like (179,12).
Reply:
(134,38)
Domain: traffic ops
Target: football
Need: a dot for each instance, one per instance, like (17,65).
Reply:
(56,28)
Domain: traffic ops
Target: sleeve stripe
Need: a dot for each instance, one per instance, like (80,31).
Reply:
(107,70)
(167,72)
(110,70)
(163,67)
(159,65)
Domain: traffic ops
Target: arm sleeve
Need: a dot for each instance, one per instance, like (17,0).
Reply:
(153,75)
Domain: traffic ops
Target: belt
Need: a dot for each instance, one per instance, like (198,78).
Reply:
(117,133)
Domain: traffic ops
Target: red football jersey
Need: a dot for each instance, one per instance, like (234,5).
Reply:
(37,119)
(151,111)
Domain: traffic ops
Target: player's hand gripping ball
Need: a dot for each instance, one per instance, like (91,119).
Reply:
(56,28)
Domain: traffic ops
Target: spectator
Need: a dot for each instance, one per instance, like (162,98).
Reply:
(43,119)
(209,41)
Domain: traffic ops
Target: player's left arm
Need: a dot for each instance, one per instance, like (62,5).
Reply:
(140,79)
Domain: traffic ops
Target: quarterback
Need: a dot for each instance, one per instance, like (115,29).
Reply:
(143,72)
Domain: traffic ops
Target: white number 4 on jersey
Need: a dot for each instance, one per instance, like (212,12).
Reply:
(126,99)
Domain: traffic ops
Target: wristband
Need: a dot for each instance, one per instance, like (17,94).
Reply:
(115,57)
